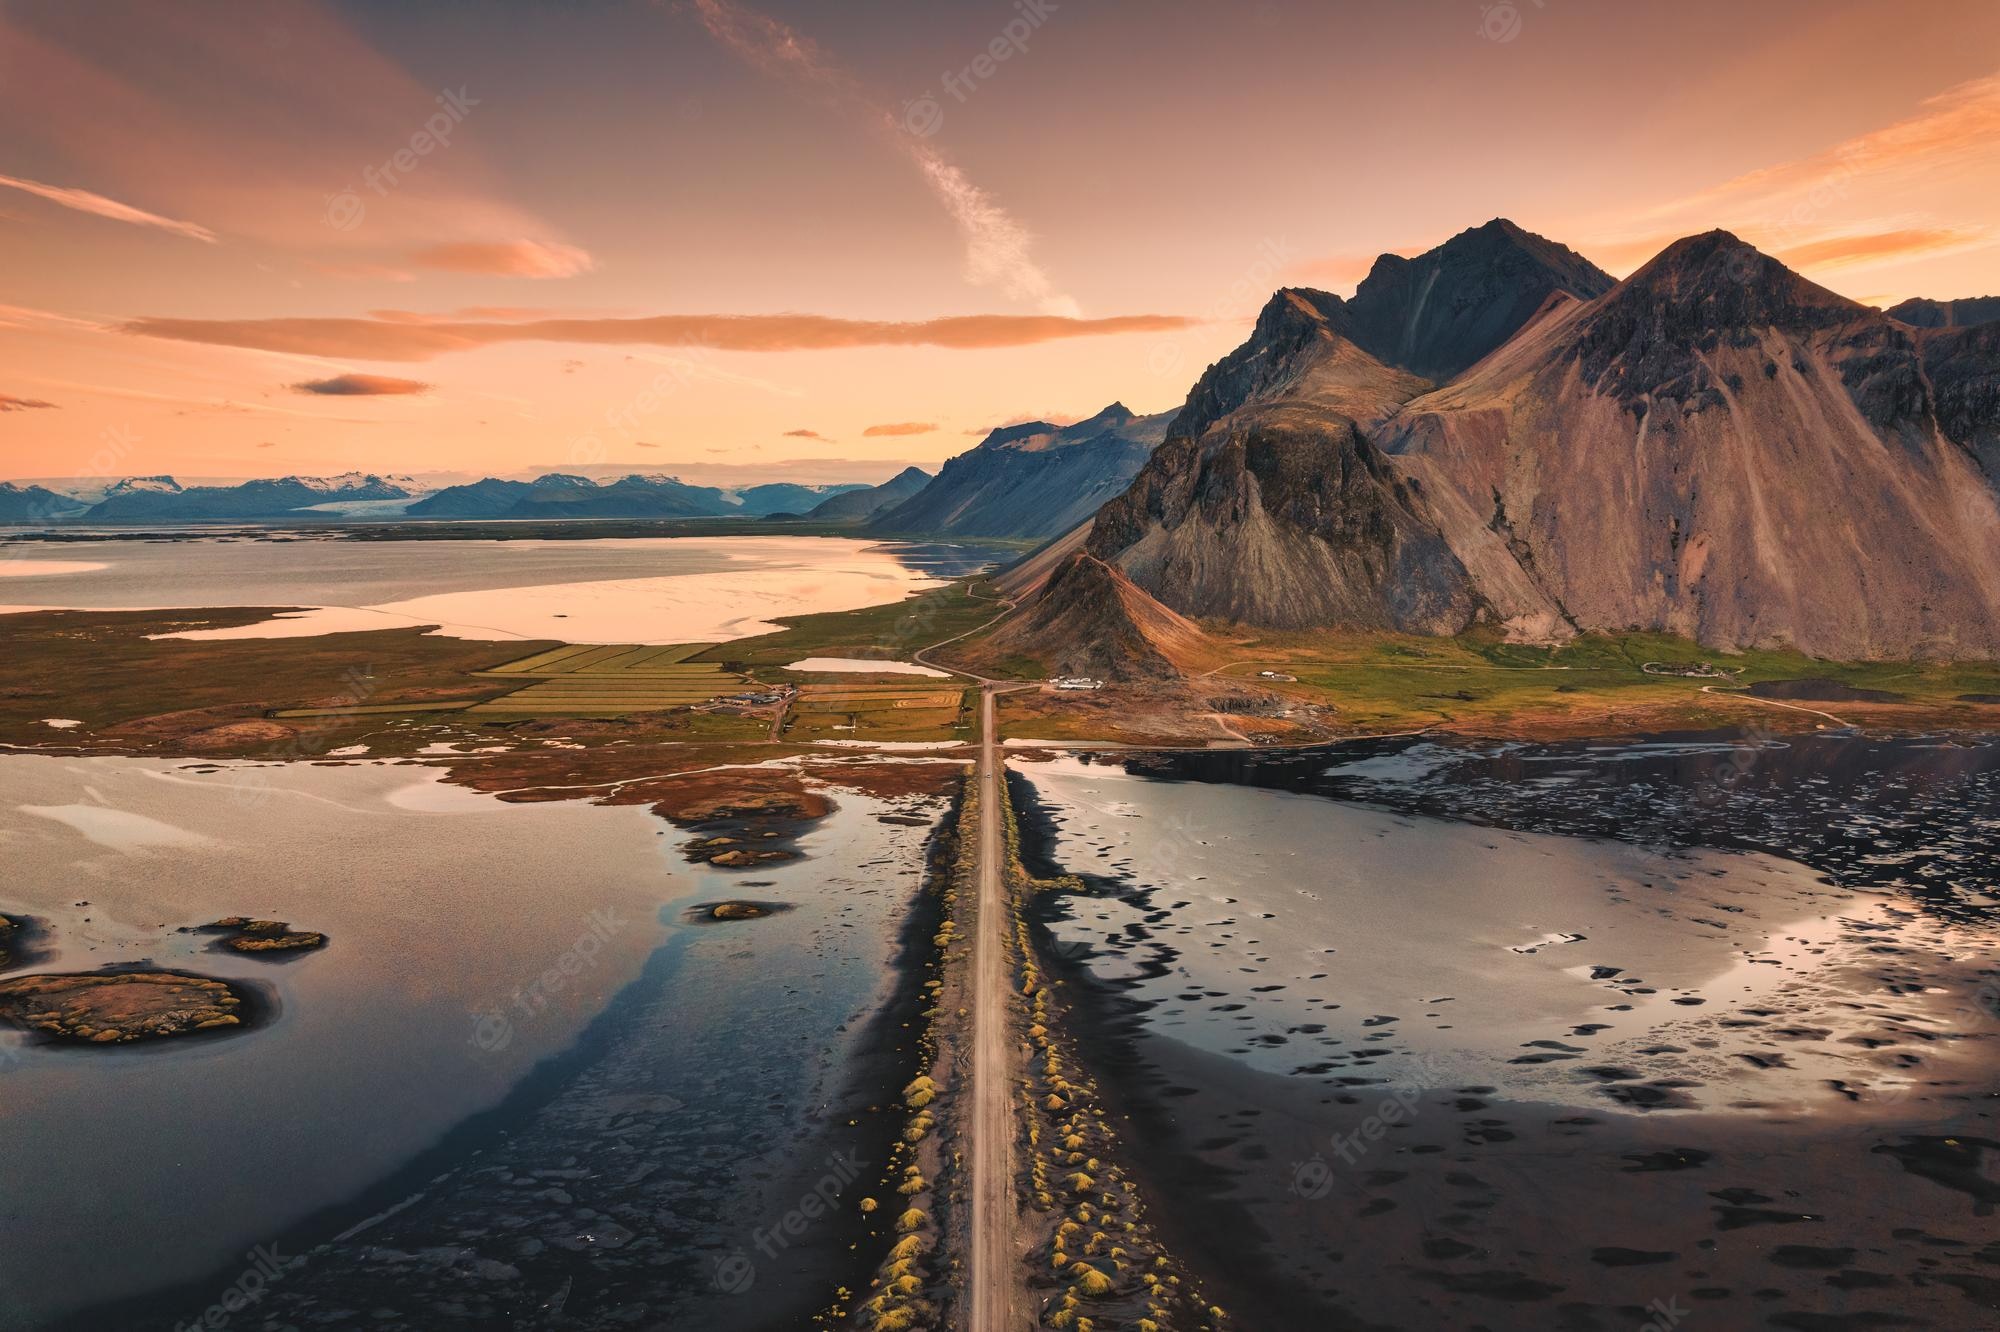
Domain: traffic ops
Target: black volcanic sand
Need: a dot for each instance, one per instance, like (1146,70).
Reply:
(1361,1201)
(627,1182)
(21,941)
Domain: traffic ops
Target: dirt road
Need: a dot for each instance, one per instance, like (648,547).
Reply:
(994,1261)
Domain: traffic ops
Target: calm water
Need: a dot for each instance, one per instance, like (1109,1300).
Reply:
(641,1104)
(642,590)
(1437,1035)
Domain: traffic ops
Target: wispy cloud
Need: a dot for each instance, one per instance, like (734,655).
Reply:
(361,386)
(397,340)
(1855,249)
(10,403)
(997,245)
(1957,127)
(901,428)
(85,201)
(805,434)
(523,258)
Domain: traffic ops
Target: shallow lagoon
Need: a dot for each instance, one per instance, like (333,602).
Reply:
(641,590)
(426,1037)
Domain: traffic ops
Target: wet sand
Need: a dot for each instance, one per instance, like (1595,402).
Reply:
(1814,1147)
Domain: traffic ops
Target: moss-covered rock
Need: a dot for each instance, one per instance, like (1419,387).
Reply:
(120,1007)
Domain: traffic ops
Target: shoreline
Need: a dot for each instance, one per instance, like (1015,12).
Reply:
(1477,1209)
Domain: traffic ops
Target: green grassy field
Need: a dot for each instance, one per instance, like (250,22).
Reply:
(891,632)
(1402,681)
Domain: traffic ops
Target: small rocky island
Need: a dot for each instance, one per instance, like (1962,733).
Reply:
(112,1008)
(710,912)
(264,937)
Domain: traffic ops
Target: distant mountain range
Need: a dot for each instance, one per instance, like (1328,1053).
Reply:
(855,505)
(161,499)
(1031,481)
(36,504)
(1498,433)
(559,495)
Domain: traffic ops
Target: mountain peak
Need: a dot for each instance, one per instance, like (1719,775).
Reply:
(134,485)
(1441,312)
(1002,436)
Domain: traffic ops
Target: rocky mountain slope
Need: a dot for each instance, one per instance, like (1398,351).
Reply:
(1092,620)
(854,505)
(1032,481)
(1714,447)
(1439,313)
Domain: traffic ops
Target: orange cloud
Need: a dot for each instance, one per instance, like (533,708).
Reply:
(84,201)
(9,403)
(394,340)
(1833,250)
(804,434)
(900,428)
(362,386)
(525,259)
(1876,247)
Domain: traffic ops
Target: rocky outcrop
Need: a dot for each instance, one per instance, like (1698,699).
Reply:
(1267,504)
(1963,366)
(116,1008)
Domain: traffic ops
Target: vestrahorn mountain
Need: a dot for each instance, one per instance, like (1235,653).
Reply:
(1497,433)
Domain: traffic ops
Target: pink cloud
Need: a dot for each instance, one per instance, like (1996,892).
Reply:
(419,340)
(85,201)
(524,258)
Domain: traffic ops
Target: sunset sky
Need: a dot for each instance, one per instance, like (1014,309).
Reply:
(745,241)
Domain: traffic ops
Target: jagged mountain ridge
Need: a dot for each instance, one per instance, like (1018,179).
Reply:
(1714,447)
